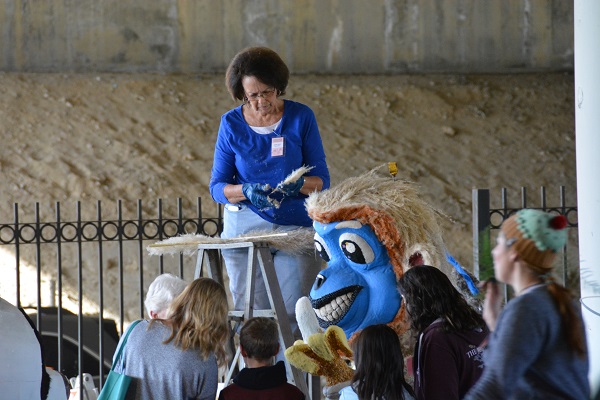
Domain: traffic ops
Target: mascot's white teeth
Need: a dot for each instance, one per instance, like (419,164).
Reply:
(336,308)
(330,309)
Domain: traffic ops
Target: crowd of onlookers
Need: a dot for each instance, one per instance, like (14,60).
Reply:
(534,347)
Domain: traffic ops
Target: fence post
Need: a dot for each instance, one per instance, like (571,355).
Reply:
(482,265)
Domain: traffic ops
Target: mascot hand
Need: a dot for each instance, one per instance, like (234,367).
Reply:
(325,354)
(336,371)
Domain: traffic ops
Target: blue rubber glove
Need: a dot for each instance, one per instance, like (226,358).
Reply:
(257,194)
(292,189)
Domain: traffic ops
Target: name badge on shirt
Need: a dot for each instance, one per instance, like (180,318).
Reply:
(277,146)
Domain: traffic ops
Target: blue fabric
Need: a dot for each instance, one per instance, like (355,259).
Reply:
(528,356)
(359,273)
(244,156)
(463,273)
(257,195)
(293,188)
(115,387)
(348,393)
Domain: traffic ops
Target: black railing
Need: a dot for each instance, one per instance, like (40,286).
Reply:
(487,219)
(99,266)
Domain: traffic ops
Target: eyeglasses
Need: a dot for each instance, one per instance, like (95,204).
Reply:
(264,94)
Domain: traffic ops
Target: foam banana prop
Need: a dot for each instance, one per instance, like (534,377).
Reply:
(320,353)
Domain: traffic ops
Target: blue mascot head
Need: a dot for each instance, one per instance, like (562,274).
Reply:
(369,230)
(358,287)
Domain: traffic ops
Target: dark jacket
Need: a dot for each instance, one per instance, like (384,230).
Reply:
(447,364)
(264,383)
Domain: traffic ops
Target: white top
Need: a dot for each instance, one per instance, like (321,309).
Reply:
(265,130)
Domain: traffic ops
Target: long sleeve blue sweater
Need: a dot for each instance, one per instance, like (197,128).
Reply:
(244,156)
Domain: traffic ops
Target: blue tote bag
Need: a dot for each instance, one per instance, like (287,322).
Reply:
(116,385)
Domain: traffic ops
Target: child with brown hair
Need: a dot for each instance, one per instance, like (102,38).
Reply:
(260,379)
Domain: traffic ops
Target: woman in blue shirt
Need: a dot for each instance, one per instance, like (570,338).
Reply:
(259,144)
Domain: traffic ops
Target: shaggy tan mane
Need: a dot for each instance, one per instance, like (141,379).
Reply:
(392,207)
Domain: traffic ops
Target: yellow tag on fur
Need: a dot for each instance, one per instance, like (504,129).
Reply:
(393,168)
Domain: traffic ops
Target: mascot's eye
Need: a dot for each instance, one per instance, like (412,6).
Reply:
(356,249)
(322,248)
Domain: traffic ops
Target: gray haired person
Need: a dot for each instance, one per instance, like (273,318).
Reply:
(162,291)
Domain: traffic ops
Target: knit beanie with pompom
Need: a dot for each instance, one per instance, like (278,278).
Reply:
(536,236)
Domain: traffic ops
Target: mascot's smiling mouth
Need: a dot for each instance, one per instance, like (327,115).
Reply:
(331,308)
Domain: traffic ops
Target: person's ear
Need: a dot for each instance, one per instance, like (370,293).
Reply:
(153,314)
(244,353)
(513,256)
(277,351)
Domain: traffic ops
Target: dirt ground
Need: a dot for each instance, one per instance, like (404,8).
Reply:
(110,137)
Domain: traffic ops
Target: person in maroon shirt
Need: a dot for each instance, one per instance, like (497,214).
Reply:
(260,380)
(450,333)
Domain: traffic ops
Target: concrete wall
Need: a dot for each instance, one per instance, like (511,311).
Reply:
(317,36)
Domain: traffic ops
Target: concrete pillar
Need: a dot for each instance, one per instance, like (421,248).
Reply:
(587,127)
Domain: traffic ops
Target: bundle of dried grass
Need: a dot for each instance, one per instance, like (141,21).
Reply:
(298,241)
(291,178)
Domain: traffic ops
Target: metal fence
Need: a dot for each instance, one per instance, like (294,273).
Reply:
(82,273)
(486,220)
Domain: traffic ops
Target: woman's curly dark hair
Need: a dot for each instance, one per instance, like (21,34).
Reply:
(260,62)
(430,295)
